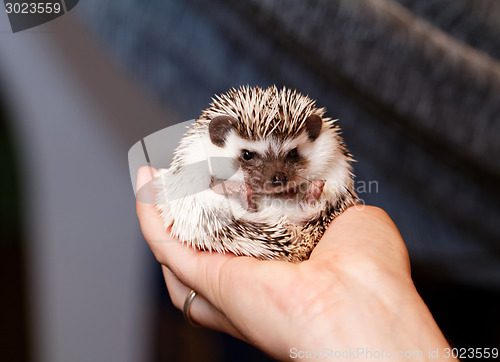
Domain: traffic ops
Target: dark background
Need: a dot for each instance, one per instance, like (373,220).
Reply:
(416,86)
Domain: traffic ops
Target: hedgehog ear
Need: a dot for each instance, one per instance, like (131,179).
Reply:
(219,127)
(313,126)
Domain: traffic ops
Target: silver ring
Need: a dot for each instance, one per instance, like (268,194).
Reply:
(187,307)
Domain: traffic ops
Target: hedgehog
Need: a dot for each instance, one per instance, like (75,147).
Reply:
(262,173)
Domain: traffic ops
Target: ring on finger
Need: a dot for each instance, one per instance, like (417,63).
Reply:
(187,307)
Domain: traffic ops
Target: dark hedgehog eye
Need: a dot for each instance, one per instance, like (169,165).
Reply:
(247,155)
(293,154)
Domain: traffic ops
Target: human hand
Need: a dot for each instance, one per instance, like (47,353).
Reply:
(354,292)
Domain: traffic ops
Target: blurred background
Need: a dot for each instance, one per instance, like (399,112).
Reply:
(415,84)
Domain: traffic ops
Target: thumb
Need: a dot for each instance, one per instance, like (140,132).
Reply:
(146,192)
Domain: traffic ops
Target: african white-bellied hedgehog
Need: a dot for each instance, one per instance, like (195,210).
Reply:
(261,173)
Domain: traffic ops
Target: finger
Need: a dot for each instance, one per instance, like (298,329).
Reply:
(145,189)
(151,224)
(355,227)
(144,175)
(201,311)
(162,244)
(221,278)
(197,269)
(359,234)
(169,251)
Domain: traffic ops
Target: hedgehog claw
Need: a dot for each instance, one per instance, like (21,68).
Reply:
(314,191)
(246,197)
(235,189)
(225,187)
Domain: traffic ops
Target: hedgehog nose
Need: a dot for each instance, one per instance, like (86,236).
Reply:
(279,178)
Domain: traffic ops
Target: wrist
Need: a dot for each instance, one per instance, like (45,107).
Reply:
(386,314)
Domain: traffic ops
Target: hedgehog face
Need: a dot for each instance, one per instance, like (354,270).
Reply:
(270,165)
(271,170)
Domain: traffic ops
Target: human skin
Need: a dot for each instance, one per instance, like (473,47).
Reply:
(355,291)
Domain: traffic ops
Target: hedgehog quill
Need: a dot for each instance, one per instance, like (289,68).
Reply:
(261,173)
